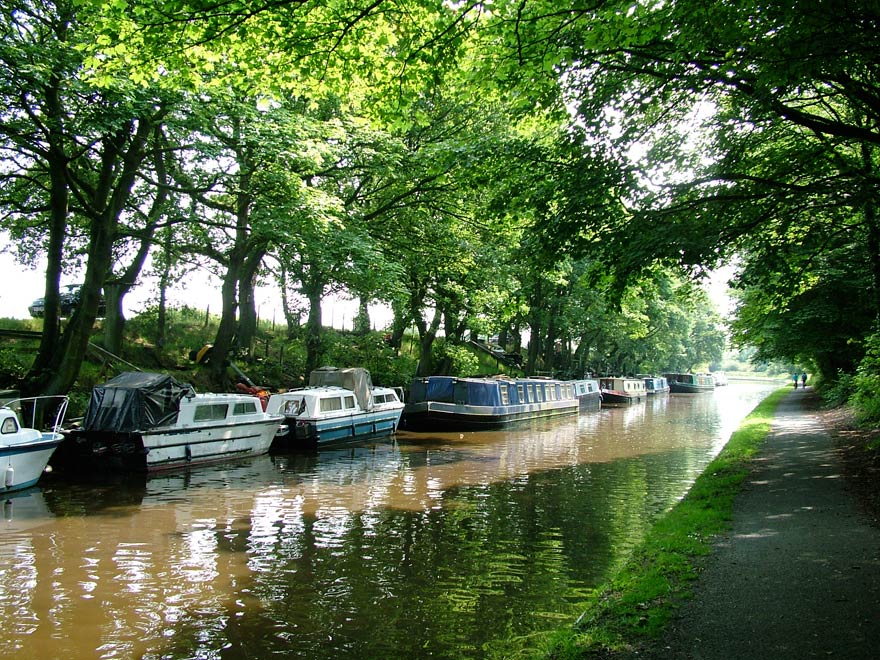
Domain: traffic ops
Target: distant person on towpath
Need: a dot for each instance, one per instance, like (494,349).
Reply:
(804,380)
(794,378)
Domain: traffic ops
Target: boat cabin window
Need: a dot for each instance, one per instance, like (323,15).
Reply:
(210,412)
(349,403)
(551,392)
(10,425)
(535,396)
(505,394)
(244,408)
(294,406)
(520,390)
(331,404)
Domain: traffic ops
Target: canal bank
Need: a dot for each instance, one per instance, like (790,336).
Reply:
(795,574)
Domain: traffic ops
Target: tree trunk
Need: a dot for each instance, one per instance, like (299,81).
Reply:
(114,319)
(116,288)
(399,325)
(314,329)
(427,335)
(121,156)
(59,195)
(247,321)
(223,341)
(361,325)
(292,316)
(873,232)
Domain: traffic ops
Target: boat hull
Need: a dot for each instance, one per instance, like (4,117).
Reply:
(167,448)
(312,432)
(437,415)
(23,464)
(688,388)
(621,398)
(589,402)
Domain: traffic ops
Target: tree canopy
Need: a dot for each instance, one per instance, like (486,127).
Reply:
(503,166)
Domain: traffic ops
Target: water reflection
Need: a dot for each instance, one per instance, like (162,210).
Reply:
(399,548)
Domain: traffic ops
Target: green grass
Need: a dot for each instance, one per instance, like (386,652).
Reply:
(632,609)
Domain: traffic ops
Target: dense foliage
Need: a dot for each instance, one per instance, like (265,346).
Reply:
(556,175)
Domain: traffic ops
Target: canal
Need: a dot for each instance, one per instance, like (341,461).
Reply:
(427,545)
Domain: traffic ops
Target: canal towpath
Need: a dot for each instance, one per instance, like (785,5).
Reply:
(798,574)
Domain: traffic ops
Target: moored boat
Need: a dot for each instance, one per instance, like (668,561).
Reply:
(588,394)
(25,448)
(339,405)
(449,402)
(146,421)
(621,391)
(690,383)
(656,385)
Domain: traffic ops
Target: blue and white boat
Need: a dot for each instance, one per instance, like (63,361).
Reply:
(656,385)
(25,449)
(340,405)
(449,402)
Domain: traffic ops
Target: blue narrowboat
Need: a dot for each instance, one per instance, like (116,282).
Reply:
(449,402)
(656,385)
(690,383)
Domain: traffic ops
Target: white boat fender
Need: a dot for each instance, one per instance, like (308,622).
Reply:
(9,478)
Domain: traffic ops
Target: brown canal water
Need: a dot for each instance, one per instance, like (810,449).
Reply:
(425,545)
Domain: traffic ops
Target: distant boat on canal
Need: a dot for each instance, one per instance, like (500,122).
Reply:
(656,385)
(25,449)
(621,391)
(147,421)
(449,402)
(339,405)
(690,383)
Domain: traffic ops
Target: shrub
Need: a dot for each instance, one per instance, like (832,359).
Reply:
(866,383)
(12,368)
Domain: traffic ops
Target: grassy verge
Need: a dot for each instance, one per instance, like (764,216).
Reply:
(631,611)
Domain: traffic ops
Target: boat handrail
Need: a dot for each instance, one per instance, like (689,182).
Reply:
(16,406)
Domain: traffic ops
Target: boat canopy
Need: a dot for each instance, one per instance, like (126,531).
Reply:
(356,379)
(432,388)
(135,401)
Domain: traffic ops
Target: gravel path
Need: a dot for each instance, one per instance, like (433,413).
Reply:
(798,576)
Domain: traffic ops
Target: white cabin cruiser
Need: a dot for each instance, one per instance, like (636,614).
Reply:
(144,421)
(25,449)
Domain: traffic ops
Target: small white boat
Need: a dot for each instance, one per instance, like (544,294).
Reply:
(340,405)
(142,421)
(25,449)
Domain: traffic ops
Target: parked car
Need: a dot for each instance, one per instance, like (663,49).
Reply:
(69,300)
